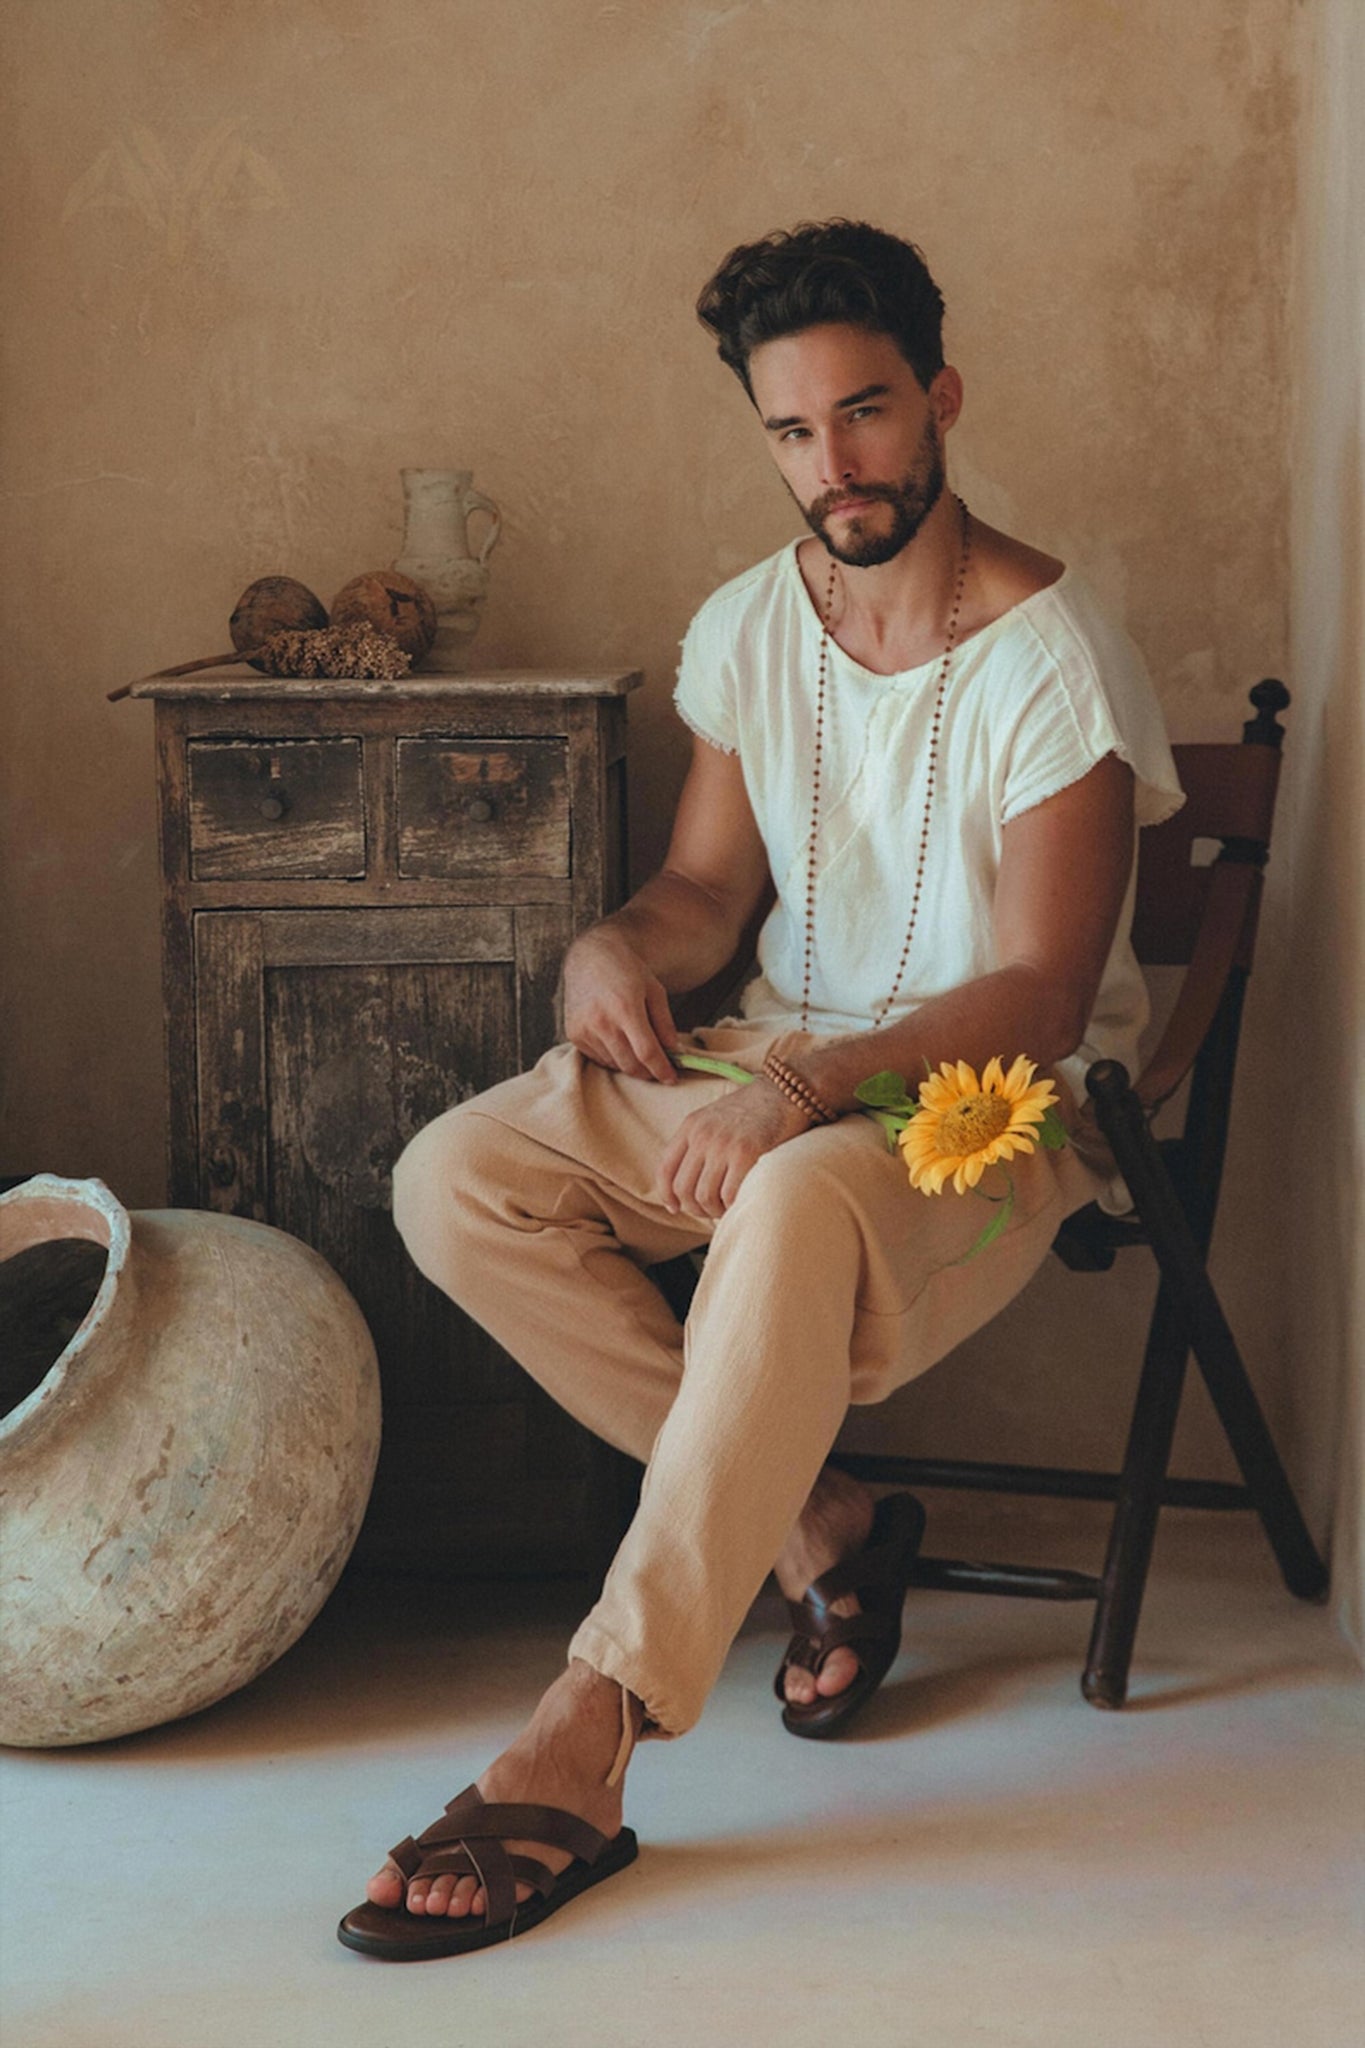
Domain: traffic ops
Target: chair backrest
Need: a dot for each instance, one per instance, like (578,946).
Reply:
(1203,915)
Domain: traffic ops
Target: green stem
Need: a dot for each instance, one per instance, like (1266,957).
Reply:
(699,1063)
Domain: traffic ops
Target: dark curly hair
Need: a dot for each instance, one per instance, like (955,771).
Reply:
(834,270)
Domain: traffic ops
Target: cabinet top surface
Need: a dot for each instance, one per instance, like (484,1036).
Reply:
(220,685)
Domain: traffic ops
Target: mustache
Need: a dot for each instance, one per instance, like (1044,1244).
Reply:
(870,494)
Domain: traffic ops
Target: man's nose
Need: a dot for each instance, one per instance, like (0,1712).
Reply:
(836,460)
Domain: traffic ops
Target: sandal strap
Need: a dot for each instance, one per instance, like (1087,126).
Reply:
(486,1868)
(877,1575)
(407,1856)
(881,1564)
(493,1866)
(469,1818)
(809,1650)
(884,1566)
(470,1841)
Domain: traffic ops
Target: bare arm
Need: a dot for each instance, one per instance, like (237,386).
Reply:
(1063,874)
(682,927)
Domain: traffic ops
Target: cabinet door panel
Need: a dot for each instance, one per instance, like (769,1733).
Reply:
(358,1060)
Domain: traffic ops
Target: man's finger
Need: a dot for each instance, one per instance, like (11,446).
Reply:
(651,1055)
(660,1014)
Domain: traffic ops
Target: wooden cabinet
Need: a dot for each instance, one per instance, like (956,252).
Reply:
(369,889)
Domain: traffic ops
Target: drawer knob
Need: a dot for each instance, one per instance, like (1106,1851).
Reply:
(273,806)
(480,810)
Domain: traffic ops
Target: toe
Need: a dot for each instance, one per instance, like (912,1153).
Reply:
(385,1888)
(438,1898)
(467,1897)
(838,1672)
(417,1894)
(799,1685)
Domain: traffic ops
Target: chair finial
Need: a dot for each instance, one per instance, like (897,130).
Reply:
(1265,730)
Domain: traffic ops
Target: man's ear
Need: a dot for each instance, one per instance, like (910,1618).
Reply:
(946,395)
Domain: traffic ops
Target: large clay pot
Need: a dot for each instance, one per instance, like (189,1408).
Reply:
(181,1488)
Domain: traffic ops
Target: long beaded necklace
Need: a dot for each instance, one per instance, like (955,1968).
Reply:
(934,730)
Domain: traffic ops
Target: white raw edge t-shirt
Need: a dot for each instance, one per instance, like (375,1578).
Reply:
(1033,701)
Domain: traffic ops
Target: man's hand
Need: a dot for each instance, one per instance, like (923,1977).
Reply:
(705,1166)
(615,1011)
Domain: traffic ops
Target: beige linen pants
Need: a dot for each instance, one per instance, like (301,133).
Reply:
(829,1281)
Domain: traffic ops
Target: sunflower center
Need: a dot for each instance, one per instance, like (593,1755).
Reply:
(972,1123)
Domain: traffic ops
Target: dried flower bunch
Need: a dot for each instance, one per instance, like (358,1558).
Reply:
(354,650)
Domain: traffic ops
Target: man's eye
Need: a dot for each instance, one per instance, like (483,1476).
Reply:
(795,434)
(863,412)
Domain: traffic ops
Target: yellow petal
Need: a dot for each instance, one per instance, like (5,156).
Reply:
(936,1095)
(992,1078)
(1024,1113)
(1019,1076)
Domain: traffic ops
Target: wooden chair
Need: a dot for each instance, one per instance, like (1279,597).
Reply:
(1203,919)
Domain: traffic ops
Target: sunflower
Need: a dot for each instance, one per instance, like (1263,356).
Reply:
(964,1125)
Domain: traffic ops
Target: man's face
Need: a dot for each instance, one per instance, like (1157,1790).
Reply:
(857,440)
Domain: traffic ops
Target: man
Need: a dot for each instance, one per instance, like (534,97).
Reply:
(926,743)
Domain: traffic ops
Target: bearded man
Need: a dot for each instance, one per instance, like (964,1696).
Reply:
(927,747)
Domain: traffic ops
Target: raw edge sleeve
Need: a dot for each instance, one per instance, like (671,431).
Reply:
(701,697)
(1071,723)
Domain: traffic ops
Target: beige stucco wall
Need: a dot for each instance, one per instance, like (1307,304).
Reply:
(262,257)
(1325,963)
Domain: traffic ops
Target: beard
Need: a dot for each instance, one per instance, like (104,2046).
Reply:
(911,501)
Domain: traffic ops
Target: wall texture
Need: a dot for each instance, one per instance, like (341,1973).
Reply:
(262,256)
(1325,1006)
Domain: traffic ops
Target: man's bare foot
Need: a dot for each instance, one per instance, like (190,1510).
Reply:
(563,1759)
(835,1523)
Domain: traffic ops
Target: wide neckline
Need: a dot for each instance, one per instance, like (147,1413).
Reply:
(901,675)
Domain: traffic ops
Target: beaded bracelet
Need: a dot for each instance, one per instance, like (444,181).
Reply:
(798,1092)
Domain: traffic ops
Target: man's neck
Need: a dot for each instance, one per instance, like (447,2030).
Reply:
(895,615)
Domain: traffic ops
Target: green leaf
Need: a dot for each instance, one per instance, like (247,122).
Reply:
(1004,1210)
(1052,1131)
(886,1091)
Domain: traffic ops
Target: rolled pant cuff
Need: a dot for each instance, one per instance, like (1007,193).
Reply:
(592,1645)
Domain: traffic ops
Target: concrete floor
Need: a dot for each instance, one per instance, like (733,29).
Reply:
(986,1860)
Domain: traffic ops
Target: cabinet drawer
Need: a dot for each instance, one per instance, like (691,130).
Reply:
(279,808)
(483,808)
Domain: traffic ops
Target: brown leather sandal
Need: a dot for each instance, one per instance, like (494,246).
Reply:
(879,1575)
(468,1842)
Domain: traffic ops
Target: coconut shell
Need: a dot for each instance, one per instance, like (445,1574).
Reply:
(393,604)
(273,604)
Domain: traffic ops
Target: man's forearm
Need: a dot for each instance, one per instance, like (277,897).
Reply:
(1015,1010)
(680,931)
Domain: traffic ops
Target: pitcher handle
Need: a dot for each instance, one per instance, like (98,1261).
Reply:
(475,501)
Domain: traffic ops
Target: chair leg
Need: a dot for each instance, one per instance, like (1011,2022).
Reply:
(1132,1532)
(1184,1273)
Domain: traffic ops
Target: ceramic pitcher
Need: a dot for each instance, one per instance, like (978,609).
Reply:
(438,505)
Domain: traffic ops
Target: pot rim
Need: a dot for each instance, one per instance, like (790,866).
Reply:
(95,1214)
